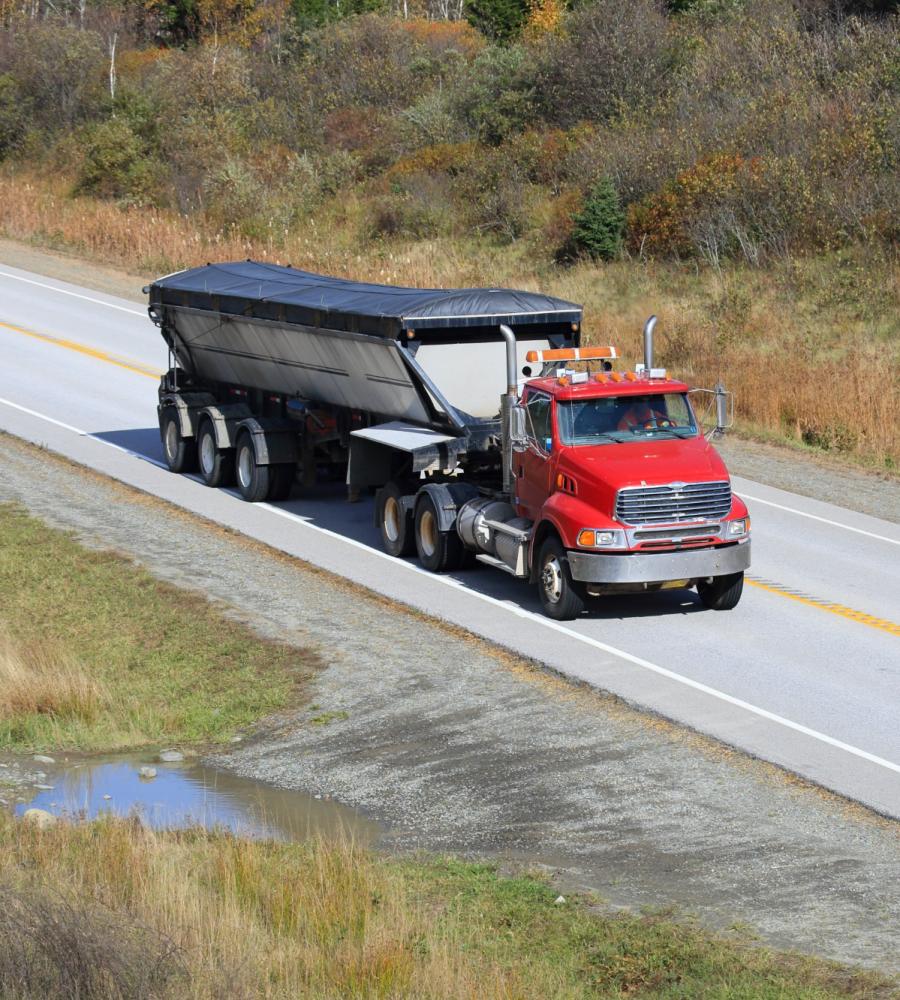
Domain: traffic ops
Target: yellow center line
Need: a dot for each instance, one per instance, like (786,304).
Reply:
(892,628)
(91,352)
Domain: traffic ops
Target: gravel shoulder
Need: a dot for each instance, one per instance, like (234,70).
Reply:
(797,470)
(453,745)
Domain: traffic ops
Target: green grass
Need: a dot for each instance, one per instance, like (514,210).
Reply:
(212,915)
(150,663)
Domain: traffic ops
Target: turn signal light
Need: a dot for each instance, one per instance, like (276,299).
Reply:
(587,538)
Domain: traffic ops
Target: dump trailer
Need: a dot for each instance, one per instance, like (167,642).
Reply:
(486,432)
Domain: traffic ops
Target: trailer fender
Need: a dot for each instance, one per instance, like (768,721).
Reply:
(225,420)
(448,498)
(187,406)
(274,442)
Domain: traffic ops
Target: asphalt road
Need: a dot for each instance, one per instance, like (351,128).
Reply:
(804,673)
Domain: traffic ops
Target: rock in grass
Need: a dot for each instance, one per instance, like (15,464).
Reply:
(40,758)
(171,756)
(147,773)
(559,900)
(39,818)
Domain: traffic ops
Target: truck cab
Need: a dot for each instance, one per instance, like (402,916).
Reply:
(623,492)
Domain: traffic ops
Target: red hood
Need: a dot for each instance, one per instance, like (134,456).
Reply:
(602,470)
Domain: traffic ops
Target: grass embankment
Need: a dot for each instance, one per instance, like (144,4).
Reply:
(95,653)
(132,913)
(810,346)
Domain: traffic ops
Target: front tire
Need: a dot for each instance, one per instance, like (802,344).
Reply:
(562,598)
(721,593)
(438,551)
(395,523)
(216,464)
(180,452)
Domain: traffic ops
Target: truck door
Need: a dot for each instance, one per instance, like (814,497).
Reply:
(533,464)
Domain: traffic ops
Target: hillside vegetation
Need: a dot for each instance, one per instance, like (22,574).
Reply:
(732,166)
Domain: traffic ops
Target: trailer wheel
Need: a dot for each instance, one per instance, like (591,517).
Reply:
(180,452)
(722,593)
(253,481)
(438,551)
(281,480)
(394,523)
(216,464)
(561,597)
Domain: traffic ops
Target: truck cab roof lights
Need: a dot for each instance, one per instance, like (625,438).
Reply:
(616,377)
(573,354)
(600,377)
(631,376)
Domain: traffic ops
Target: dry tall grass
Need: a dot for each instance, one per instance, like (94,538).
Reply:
(44,679)
(219,916)
(810,357)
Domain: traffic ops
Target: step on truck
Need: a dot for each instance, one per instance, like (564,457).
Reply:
(486,432)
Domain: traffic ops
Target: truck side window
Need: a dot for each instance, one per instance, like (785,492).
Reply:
(539,418)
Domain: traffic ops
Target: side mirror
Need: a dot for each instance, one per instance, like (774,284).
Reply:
(518,433)
(724,408)
(548,444)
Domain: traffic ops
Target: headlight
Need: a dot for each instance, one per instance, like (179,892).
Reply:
(738,528)
(601,538)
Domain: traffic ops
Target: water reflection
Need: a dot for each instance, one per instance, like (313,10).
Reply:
(187,794)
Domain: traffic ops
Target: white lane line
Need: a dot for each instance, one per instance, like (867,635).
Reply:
(530,615)
(824,520)
(75,295)
(81,433)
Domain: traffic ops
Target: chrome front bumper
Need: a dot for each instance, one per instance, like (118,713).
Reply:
(658,567)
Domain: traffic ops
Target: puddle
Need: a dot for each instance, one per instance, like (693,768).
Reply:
(189,794)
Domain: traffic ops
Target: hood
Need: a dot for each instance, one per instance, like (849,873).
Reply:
(605,469)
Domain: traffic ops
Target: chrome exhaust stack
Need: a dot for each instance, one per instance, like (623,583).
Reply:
(648,343)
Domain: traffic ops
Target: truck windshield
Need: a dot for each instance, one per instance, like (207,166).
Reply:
(615,419)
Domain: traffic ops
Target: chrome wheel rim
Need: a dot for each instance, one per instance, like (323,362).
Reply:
(171,441)
(552,579)
(390,520)
(428,533)
(207,454)
(245,467)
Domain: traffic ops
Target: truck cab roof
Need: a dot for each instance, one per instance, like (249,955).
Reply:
(612,384)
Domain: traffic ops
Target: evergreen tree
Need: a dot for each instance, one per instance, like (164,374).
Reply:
(499,20)
(599,224)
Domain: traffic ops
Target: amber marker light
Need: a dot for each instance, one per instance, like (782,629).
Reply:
(587,538)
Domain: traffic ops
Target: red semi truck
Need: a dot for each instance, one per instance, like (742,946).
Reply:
(576,477)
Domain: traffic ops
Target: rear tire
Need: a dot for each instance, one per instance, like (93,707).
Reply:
(281,480)
(180,452)
(722,593)
(562,598)
(395,524)
(253,481)
(438,551)
(216,464)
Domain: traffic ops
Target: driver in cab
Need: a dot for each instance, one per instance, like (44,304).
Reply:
(640,416)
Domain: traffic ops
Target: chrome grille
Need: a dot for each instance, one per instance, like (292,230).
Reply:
(673,502)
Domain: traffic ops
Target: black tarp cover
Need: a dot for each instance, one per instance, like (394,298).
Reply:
(269,291)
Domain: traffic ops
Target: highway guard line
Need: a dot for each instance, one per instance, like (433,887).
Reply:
(520,612)
(824,520)
(75,295)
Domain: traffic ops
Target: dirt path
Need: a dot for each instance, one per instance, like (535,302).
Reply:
(453,745)
(816,476)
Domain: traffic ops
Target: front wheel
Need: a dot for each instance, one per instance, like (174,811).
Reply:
(561,597)
(721,593)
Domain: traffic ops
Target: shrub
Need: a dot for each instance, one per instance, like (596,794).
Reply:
(499,20)
(14,115)
(115,164)
(598,226)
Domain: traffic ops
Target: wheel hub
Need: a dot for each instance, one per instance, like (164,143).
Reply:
(245,467)
(551,579)
(171,440)
(391,519)
(207,454)
(428,533)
